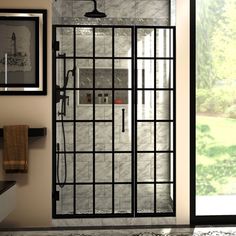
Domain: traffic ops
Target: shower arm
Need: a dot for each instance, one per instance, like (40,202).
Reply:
(94,1)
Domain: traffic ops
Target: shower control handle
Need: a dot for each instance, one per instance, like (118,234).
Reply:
(68,100)
(123,120)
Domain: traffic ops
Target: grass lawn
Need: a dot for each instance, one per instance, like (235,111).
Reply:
(216,155)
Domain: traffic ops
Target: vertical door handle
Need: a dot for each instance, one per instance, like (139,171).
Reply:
(123,120)
(6,62)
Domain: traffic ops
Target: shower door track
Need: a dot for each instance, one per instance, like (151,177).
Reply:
(134,58)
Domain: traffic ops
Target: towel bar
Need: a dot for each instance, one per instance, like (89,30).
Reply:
(32,132)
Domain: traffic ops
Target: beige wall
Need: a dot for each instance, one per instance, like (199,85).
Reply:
(33,189)
(182,116)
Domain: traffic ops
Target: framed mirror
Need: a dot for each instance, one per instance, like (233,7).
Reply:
(23,52)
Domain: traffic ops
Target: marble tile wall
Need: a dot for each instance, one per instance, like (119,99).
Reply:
(118,12)
(103,164)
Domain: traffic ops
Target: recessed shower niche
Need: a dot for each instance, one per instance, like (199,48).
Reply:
(103,80)
(114,113)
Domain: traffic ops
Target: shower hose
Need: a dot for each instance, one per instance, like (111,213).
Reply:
(62,183)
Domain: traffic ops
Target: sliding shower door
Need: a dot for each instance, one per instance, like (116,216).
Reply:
(113,121)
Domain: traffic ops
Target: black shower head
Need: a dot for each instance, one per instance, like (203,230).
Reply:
(95,13)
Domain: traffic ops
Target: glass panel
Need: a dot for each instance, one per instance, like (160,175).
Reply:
(123,166)
(103,74)
(84,199)
(123,40)
(69,168)
(103,167)
(99,109)
(123,74)
(145,198)
(163,136)
(103,199)
(145,73)
(123,120)
(145,136)
(123,199)
(84,108)
(164,201)
(103,136)
(103,42)
(65,36)
(145,167)
(84,42)
(84,97)
(145,105)
(69,106)
(103,97)
(65,203)
(108,112)
(164,43)
(215,108)
(61,73)
(164,167)
(164,74)
(84,136)
(84,168)
(103,112)
(163,106)
(145,44)
(84,73)
(68,127)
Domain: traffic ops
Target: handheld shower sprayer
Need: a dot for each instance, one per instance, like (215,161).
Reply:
(63,96)
(62,113)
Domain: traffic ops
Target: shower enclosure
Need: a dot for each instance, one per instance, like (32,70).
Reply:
(114,121)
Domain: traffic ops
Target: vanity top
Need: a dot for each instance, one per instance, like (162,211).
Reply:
(5,185)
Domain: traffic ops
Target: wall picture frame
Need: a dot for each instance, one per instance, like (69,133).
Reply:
(23,52)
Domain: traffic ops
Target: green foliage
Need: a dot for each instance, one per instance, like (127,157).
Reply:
(211,176)
(209,17)
(215,100)
(203,138)
(216,161)
(224,43)
(231,111)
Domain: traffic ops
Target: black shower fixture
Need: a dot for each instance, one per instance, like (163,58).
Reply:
(95,13)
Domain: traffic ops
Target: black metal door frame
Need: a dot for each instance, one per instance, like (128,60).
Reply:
(197,219)
(134,58)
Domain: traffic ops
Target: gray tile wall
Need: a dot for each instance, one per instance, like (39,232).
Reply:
(118,12)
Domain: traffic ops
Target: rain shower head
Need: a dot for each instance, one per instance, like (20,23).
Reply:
(95,13)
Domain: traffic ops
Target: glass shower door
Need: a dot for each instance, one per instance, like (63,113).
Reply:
(154,121)
(123,119)
(98,121)
(114,121)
